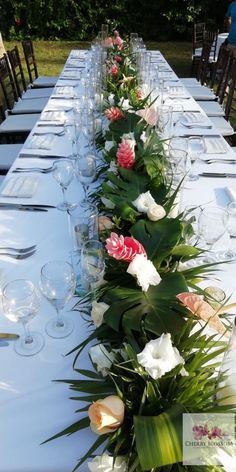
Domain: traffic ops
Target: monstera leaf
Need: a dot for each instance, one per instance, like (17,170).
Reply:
(158,238)
(156,310)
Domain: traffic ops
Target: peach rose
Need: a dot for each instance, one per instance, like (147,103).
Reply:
(104,223)
(203,310)
(106,415)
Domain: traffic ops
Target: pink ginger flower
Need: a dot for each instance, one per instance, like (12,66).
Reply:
(124,248)
(202,309)
(118,59)
(125,154)
(150,115)
(114,70)
(114,114)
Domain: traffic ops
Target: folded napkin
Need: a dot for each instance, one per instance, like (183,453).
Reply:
(63,91)
(231,193)
(216,146)
(21,186)
(53,117)
(177,91)
(195,120)
(41,142)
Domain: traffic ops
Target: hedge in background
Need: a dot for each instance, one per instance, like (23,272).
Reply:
(81,19)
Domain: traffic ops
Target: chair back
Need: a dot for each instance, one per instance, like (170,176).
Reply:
(198,36)
(30,60)
(203,66)
(221,72)
(17,70)
(7,83)
(230,96)
(211,37)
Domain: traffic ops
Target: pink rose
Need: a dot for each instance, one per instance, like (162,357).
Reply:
(106,415)
(124,248)
(118,42)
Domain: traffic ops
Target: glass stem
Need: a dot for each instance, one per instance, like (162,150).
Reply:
(60,322)
(85,188)
(63,193)
(28,337)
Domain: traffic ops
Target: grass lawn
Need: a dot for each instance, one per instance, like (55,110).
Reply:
(51,55)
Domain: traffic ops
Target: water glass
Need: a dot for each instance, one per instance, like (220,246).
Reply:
(164,122)
(196,147)
(21,303)
(85,169)
(84,224)
(57,283)
(212,224)
(92,262)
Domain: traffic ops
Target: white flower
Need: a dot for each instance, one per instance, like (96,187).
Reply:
(143,137)
(108,145)
(127,61)
(144,270)
(156,212)
(97,312)
(124,104)
(143,202)
(110,99)
(108,204)
(159,356)
(113,167)
(101,358)
(104,463)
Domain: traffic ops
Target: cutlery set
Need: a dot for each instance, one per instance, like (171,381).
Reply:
(25,207)
(46,170)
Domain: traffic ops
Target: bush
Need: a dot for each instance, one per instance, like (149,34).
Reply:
(81,19)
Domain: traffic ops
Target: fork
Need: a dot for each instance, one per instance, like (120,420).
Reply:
(47,170)
(17,256)
(19,250)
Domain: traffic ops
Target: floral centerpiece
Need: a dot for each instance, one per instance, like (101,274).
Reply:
(152,359)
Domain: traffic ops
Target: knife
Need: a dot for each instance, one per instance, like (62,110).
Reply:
(217,174)
(42,156)
(27,205)
(8,336)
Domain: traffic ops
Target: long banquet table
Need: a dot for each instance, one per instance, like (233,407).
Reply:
(32,406)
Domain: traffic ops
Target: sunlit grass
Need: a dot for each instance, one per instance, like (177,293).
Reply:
(51,55)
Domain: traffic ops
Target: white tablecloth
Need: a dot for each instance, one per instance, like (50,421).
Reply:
(32,406)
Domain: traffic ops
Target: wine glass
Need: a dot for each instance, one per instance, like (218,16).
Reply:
(92,262)
(63,173)
(86,173)
(57,283)
(88,124)
(21,302)
(196,147)
(212,224)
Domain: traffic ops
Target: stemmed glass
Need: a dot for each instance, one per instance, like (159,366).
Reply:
(63,173)
(21,302)
(92,262)
(212,224)
(196,147)
(88,127)
(57,283)
(164,123)
(86,172)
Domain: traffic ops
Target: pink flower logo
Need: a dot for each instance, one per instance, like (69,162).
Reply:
(124,248)
(200,432)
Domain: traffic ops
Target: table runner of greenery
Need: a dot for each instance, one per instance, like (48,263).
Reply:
(152,359)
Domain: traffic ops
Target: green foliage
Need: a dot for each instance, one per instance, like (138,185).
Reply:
(82,19)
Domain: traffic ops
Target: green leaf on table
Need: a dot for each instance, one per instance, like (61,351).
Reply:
(156,310)
(159,438)
(158,238)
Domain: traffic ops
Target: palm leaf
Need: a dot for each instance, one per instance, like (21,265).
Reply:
(159,438)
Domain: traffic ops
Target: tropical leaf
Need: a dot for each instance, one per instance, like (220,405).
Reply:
(159,237)
(155,310)
(159,438)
